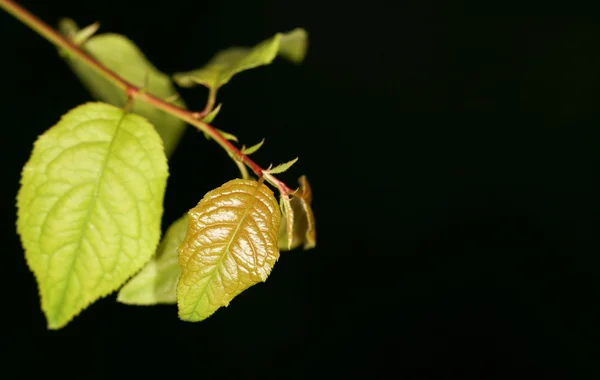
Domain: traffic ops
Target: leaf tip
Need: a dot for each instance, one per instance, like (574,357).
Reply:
(294,45)
(53,322)
(70,29)
(227,136)
(282,167)
(253,148)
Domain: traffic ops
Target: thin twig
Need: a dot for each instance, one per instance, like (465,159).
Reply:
(134,92)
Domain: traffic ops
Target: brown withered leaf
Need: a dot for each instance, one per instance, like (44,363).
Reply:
(230,245)
(298,226)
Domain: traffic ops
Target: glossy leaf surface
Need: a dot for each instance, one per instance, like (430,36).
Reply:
(230,245)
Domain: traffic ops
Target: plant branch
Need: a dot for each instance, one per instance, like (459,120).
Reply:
(136,93)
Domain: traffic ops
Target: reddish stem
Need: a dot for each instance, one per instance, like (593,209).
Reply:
(134,92)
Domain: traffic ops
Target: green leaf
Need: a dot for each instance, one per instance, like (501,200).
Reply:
(253,148)
(230,245)
(293,45)
(123,57)
(228,136)
(90,206)
(211,116)
(70,29)
(300,221)
(157,282)
(282,167)
(223,66)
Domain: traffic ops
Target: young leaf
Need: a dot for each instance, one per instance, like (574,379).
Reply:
(282,167)
(253,148)
(227,136)
(70,29)
(211,116)
(219,70)
(90,205)
(230,245)
(123,57)
(157,282)
(286,228)
(301,228)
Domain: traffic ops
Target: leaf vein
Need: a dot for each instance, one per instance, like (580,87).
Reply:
(89,210)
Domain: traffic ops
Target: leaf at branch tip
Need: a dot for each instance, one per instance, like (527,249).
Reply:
(282,167)
(157,282)
(286,228)
(301,228)
(123,57)
(253,148)
(211,116)
(225,64)
(230,245)
(90,206)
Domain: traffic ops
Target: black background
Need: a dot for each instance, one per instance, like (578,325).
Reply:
(452,148)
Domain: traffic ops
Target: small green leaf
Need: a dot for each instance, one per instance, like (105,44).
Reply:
(123,57)
(211,116)
(282,167)
(300,226)
(157,282)
(230,245)
(228,136)
(253,148)
(223,66)
(90,206)
(70,29)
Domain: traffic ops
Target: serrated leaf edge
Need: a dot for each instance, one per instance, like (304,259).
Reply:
(27,257)
(282,167)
